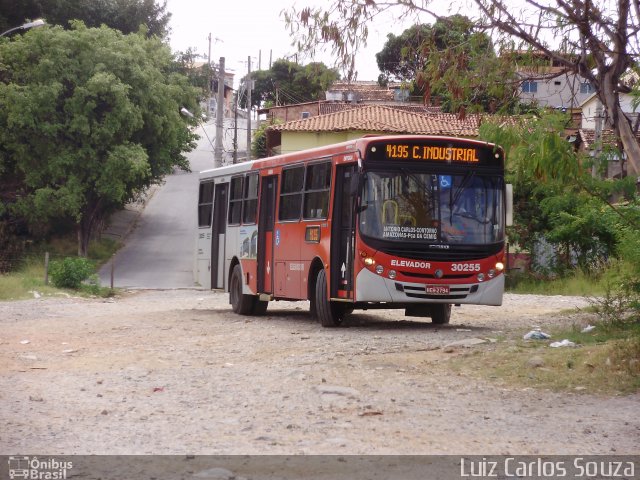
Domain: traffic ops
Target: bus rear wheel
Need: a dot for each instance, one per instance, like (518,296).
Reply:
(440,313)
(240,303)
(329,313)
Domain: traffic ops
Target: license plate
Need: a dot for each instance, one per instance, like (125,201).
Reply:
(437,289)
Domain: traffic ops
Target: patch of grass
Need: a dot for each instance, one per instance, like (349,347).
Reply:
(606,361)
(29,278)
(577,284)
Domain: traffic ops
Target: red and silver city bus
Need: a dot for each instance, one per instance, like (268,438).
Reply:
(412,222)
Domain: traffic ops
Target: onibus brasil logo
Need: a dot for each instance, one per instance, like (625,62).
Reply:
(33,468)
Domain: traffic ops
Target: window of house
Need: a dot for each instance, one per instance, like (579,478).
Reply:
(305,115)
(316,191)
(205,204)
(586,87)
(235,201)
(529,86)
(250,198)
(291,193)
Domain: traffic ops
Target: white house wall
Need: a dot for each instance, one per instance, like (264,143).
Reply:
(590,105)
(562,91)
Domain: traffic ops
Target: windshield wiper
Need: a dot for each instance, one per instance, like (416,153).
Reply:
(460,190)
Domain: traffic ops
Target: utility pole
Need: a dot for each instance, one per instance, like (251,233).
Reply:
(597,141)
(217,157)
(249,86)
(209,79)
(235,129)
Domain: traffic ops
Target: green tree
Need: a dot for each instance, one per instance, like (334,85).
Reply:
(595,39)
(452,62)
(123,15)
(199,76)
(288,83)
(556,198)
(400,58)
(88,118)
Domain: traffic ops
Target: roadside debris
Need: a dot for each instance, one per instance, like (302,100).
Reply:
(587,329)
(564,343)
(536,334)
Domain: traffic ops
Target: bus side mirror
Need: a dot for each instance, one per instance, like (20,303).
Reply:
(509,204)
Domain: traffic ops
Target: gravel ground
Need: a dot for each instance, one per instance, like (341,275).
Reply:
(176,372)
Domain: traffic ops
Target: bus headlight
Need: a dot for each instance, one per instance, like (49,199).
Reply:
(392,274)
(499,266)
(379,269)
(480,277)
(369,262)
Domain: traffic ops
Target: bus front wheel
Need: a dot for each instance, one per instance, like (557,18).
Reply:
(440,313)
(240,303)
(329,314)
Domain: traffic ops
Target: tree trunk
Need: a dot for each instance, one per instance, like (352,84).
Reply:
(84,235)
(631,145)
(91,214)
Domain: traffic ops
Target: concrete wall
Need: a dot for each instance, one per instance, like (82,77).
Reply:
(562,91)
(296,141)
(589,110)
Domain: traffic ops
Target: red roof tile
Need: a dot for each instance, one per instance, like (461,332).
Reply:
(380,119)
(609,138)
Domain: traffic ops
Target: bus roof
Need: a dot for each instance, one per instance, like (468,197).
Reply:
(358,144)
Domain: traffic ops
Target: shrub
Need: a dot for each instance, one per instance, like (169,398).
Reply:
(620,304)
(70,272)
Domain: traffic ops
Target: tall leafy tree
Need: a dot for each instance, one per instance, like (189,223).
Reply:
(452,61)
(200,76)
(124,15)
(556,197)
(400,59)
(596,39)
(287,83)
(89,117)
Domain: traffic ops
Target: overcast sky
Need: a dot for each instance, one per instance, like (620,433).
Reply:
(255,27)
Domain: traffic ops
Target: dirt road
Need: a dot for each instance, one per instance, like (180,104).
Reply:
(176,372)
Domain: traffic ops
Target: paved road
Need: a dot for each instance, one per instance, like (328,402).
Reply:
(158,253)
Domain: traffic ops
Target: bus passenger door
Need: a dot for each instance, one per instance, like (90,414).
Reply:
(266,221)
(342,233)
(219,229)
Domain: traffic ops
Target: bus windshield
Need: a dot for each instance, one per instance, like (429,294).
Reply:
(407,206)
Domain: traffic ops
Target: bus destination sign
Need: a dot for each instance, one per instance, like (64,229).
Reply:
(431,152)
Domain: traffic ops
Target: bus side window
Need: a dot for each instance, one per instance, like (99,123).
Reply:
(291,193)
(316,195)
(205,204)
(235,201)
(250,199)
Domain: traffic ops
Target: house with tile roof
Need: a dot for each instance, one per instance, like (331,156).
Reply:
(592,104)
(547,83)
(353,123)
(587,141)
(300,111)
(366,92)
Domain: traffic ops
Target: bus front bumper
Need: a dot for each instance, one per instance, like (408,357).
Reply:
(371,287)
